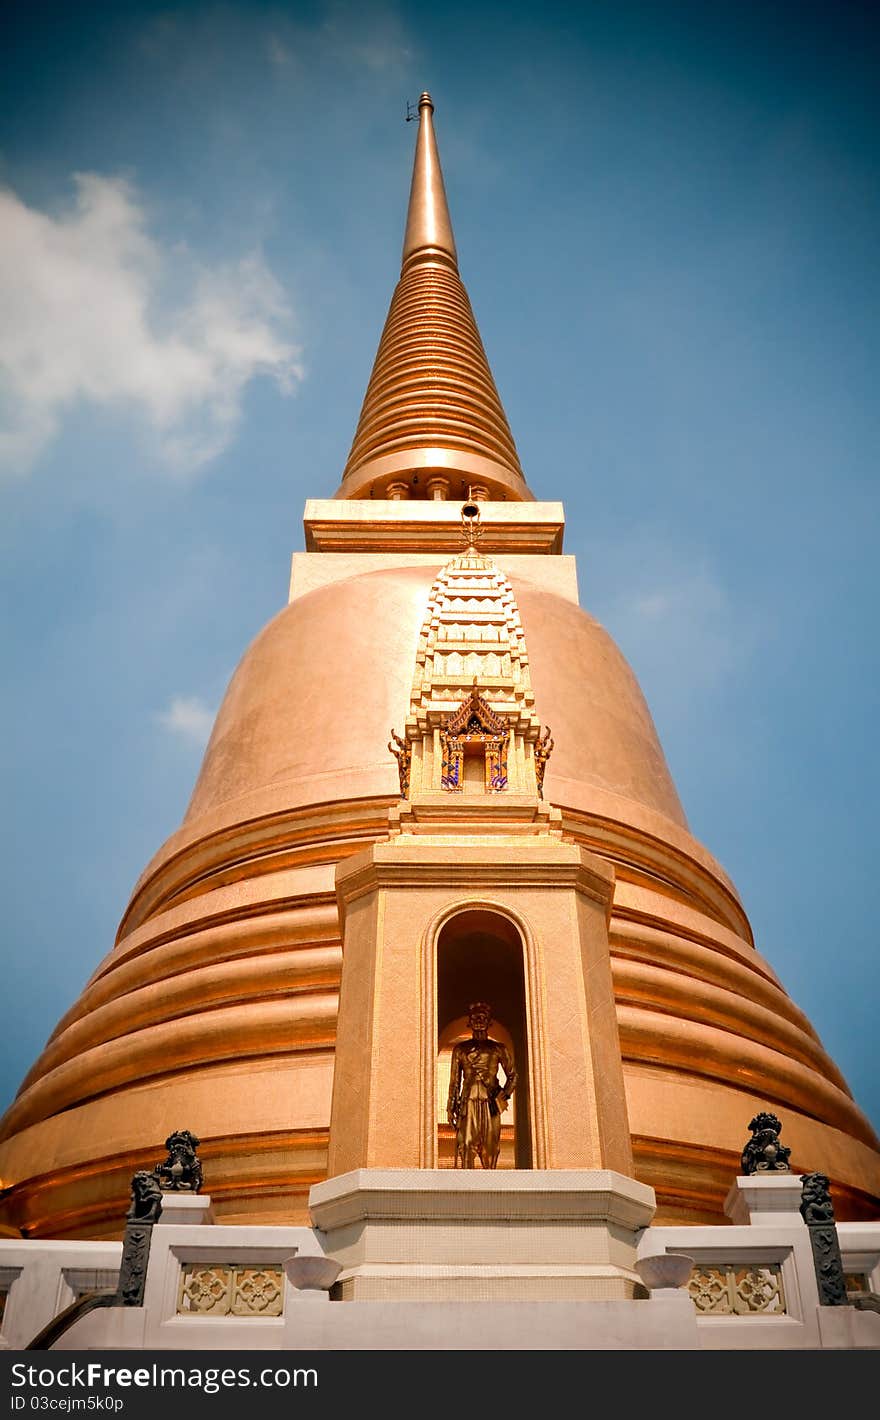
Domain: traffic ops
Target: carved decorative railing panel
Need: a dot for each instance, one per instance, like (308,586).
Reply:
(731,1289)
(227,1289)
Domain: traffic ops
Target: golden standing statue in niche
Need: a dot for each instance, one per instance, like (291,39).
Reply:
(477,1099)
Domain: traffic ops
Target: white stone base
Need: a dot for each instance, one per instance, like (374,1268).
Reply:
(186,1208)
(663,1322)
(513,1255)
(762,1200)
(518,1234)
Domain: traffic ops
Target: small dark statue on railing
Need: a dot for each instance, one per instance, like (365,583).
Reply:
(143,1213)
(146,1198)
(146,1205)
(181,1172)
(817,1211)
(764,1153)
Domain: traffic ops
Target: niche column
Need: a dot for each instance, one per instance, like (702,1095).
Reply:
(400,1227)
(394,898)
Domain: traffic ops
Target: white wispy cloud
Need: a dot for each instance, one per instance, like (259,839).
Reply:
(188,717)
(83,317)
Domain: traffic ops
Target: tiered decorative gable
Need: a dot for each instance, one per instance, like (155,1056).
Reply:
(471,727)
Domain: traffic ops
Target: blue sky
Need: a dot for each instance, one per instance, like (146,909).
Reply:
(667,218)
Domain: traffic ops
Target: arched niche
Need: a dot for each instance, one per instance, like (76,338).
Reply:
(480,957)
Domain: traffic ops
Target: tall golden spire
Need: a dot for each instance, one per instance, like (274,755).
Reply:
(432,424)
(428,233)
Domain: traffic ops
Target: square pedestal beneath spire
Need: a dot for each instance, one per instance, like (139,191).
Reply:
(473,1235)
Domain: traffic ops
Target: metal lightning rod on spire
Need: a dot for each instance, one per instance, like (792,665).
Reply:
(428,224)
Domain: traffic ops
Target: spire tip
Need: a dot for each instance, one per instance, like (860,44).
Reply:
(428,227)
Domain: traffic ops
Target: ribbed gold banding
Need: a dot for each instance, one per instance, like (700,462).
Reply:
(691,1174)
(431,385)
(260,848)
(314,834)
(641,984)
(640,859)
(693,960)
(705,1029)
(216,984)
(254,1028)
(712,1053)
(90,1200)
(690,1183)
(314,925)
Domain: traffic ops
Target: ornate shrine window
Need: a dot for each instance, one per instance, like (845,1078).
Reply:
(474,729)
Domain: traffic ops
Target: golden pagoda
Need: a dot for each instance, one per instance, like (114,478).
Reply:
(385,830)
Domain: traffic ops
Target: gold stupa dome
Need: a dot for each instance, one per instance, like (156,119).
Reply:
(284,718)
(217,1006)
